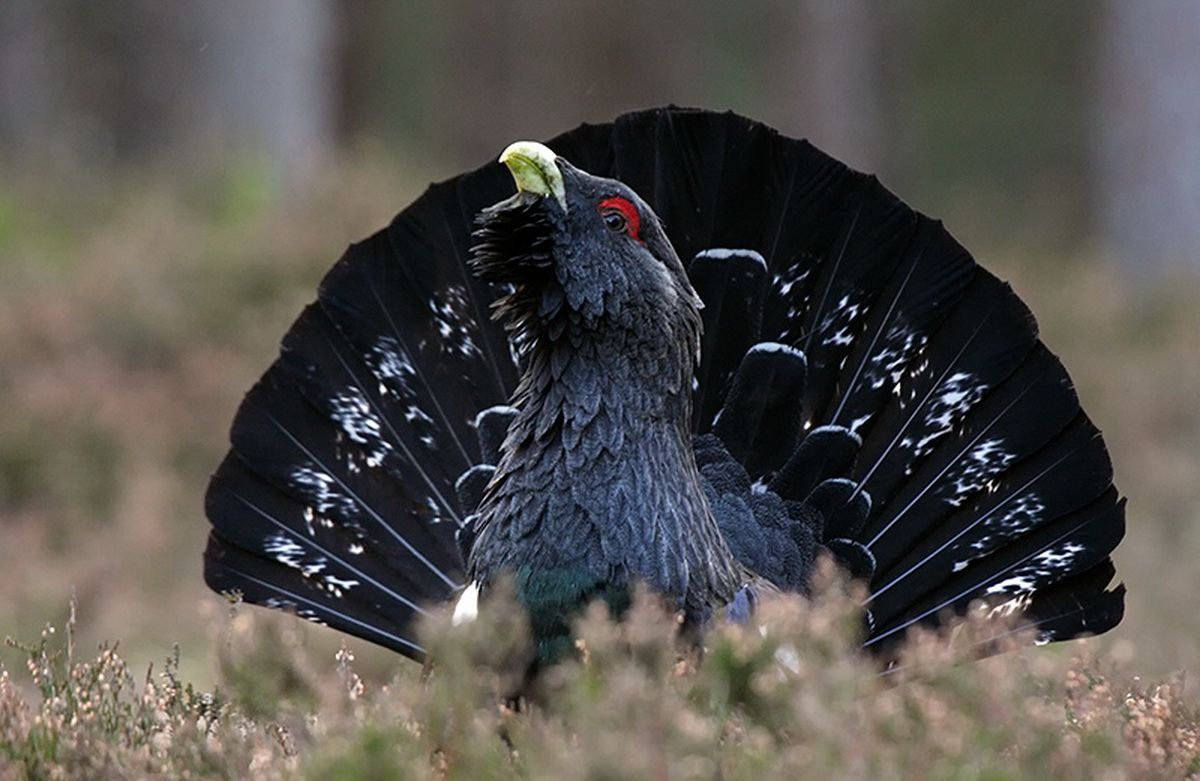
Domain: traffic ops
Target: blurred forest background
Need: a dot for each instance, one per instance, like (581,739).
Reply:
(176,177)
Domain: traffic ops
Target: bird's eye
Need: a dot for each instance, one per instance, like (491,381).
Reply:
(621,216)
(615,221)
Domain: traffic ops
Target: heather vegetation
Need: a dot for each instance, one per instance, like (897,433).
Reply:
(132,317)
(793,700)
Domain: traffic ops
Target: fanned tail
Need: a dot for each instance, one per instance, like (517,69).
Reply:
(864,383)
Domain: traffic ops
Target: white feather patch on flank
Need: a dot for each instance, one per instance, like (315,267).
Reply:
(466,609)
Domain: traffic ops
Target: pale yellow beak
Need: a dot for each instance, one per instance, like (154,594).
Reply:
(534,170)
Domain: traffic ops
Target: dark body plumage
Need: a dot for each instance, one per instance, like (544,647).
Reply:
(863,387)
(597,484)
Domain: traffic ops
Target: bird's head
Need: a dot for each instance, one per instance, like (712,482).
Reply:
(582,253)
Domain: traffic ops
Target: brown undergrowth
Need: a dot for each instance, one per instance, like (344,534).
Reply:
(788,696)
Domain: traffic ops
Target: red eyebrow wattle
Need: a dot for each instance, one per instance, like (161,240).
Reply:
(629,210)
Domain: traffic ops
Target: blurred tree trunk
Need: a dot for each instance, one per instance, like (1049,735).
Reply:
(24,76)
(268,77)
(1148,135)
(831,76)
(136,80)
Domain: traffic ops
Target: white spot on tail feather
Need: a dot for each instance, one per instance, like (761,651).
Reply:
(975,471)
(1040,570)
(337,586)
(947,406)
(859,422)
(839,322)
(291,554)
(790,277)
(320,489)
(452,315)
(896,349)
(1005,523)
(353,413)
(391,363)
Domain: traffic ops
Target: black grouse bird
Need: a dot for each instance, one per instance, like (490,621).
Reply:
(719,353)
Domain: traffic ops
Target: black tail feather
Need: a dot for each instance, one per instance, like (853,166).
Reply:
(929,280)
(395,325)
(733,281)
(260,581)
(1065,475)
(761,421)
(1012,576)
(255,516)
(989,334)
(824,453)
(291,445)
(1087,604)
(1018,418)
(393,434)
